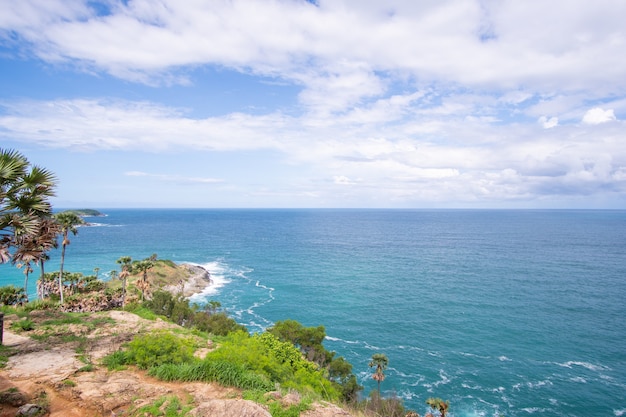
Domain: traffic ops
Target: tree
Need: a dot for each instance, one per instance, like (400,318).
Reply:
(24,193)
(308,339)
(34,247)
(125,262)
(380,361)
(143,267)
(68,222)
(439,405)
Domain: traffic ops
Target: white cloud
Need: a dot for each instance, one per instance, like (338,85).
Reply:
(548,123)
(447,100)
(174,178)
(597,115)
(342,51)
(343,180)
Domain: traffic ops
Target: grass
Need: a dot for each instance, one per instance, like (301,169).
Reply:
(169,406)
(5,352)
(23,325)
(276,407)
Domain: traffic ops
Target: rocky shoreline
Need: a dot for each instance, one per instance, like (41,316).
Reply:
(197,281)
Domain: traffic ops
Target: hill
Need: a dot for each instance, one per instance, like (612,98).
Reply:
(55,357)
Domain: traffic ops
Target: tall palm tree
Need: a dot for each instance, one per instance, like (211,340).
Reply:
(143,267)
(27,252)
(47,239)
(125,262)
(380,361)
(24,193)
(68,222)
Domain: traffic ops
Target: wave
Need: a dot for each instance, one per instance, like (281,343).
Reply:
(586,365)
(533,385)
(217,272)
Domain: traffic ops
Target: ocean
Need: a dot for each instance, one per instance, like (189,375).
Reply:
(501,312)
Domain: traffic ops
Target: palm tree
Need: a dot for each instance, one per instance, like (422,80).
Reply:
(68,222)
(27,252)
(125,262)
(24,193)
(380,361)
(47,240)
(143,267)
(439,405)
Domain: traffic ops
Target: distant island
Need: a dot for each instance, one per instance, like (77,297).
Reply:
(86,212)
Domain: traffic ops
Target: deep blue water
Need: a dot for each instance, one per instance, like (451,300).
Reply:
(501,312)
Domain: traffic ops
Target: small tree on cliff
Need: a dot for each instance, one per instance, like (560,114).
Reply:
(380,361)
(143,267)
(125,262)
(439,405)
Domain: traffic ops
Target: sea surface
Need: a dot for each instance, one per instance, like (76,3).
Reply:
(501,312)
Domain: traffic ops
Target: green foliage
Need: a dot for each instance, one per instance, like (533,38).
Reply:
(276,408)
(178,310)
(217,323)
(157,348)
(5,352)
(11,295)
(141,311)
(40,305)
(308,339)
(439,405)
(24,325)
(85,212)
(389,407)
(278,361)
(116,361)
(169,406)
(223,372)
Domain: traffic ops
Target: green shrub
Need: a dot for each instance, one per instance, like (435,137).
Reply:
(12,295)
(116,360)
(225,373)
(23,325)
(155,349)
(216,323)
(169,406)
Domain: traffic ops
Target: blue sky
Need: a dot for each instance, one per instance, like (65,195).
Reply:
(333,103)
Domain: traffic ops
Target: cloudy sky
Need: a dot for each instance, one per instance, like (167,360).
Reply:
(328,103)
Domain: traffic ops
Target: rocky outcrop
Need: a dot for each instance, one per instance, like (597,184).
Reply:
(198,279)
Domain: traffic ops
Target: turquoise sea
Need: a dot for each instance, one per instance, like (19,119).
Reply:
(501,312)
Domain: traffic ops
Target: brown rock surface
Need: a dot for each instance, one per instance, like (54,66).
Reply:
(55,368)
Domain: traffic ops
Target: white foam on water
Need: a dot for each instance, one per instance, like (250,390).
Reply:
(217,270)
(586,365)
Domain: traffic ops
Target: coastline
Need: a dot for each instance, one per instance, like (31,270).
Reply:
(198,279)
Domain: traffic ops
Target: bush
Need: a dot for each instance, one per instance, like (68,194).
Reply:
(217,323)
(11,295)
(24,325)
(280,362)
(225,373)
(159,348)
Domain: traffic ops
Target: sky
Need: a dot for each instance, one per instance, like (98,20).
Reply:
(319,104)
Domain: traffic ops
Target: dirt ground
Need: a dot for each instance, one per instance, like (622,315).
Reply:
(53,369)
